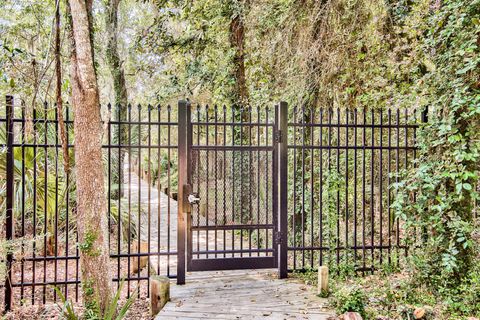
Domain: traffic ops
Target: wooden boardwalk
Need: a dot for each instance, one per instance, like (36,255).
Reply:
(242,294)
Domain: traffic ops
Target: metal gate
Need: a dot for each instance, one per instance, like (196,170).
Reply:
(228,177)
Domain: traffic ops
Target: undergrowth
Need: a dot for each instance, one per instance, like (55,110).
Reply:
(396,295)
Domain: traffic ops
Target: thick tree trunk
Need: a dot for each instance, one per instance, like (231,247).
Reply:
(91,201)
(119,88)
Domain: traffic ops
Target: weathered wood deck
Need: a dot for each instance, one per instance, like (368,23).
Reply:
(242,294)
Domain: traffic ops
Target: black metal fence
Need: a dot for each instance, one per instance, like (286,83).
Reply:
(38,196)
(342,165)
(318,182)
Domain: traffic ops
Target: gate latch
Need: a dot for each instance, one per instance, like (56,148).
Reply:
(189,198)
(278,136)
(193,199)
(278,237)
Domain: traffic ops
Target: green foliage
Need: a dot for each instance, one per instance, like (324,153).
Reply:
(25,61)
(439,219)
(111,312)
(463,299)
(350,299)
(39,190)
(396,296)
(194,35)
(88,244)
(66,307)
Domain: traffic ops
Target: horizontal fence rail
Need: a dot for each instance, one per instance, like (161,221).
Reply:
(307,187)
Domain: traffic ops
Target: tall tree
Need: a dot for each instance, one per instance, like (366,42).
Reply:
(91,200)
(240,99)
(58,90)
(212,55)
(119,86)
(237,43)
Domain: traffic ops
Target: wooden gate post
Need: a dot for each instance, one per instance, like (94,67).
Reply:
(184,132)
(9,200)
(282,192)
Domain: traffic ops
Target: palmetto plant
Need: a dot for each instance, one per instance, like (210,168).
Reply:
(38,190)
(111,312)
(41,189)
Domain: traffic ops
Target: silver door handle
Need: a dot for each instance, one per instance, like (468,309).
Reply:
(192,199)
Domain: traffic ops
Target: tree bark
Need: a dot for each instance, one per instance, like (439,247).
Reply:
(242,172)
(58,73)
(91,200)
(237,42)
(113,57)
(119,88)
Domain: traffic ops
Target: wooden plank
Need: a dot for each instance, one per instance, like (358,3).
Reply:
(248,294)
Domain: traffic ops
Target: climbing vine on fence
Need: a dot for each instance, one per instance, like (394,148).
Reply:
(437,197)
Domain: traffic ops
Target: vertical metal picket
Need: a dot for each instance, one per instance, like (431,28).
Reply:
(282,191)
(9,200)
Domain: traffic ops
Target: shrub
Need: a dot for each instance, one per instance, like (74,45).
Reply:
(350,299)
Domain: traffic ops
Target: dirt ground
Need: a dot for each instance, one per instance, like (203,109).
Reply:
(138,311)
(24,309)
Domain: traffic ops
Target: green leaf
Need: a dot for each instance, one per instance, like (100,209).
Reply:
(67,308)
(467,186)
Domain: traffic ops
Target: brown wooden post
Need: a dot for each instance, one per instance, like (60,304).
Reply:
(9,200)
(282,192)
(183,180)
(159,293)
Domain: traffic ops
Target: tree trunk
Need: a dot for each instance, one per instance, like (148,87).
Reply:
(91,201)
(58,73)
(240,97)
(119,88)
(237,41)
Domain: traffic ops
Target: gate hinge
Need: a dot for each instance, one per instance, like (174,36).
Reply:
(278,237)
(278,136)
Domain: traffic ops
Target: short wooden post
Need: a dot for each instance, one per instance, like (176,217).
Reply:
(159,293)
(322,288)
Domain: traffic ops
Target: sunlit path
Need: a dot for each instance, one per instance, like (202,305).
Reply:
(243,294)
